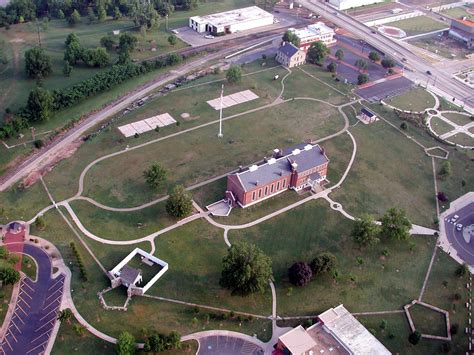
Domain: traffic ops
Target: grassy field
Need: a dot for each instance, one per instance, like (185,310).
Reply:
(28,267)
(457,118)
(193,159)
(418,25)
(381,282)
(414,100)
(445,47)
(440,126)
(375,183)
(5,297)
(428,321)
(459,12)
(462,139)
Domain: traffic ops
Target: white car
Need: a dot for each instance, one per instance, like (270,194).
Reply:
(459,227)
(209,36)
(175,32)
(454,218)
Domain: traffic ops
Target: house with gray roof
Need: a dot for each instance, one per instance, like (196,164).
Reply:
(302,166)
(290,56)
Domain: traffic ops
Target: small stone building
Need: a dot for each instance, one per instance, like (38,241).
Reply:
(290,56)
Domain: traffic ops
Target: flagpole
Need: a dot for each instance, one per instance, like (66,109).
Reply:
(220,135)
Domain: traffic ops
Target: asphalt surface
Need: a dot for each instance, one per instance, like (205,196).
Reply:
(214,345)
(455,238)
(36,309)
(385,89)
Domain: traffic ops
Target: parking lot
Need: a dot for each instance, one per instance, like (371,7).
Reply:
(455,237)
(35,312)
(386,89)
(219,344)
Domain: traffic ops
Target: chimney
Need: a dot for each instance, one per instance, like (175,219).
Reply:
(294,166)
(256,183)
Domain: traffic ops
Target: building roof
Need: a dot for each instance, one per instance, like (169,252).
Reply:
(367,112)
(227,18)
(15,226)
(129,274)
(306,156)
(289,49)
(315,30)
(466,22)
(297,340)
(350,332)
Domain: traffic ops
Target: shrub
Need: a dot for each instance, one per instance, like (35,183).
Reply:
(414,337)
(323,262)
(38,143)
(404,126)
(442,196)
(300,273)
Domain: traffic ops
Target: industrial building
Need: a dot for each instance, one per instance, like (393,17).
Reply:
(348,4)
(463,31)
(232,21)
(337,332)
(314,33)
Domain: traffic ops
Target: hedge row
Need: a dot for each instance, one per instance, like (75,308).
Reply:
(82,270)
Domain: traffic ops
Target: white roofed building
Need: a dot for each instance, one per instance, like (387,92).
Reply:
(231,21)
(313,33)
(347,4)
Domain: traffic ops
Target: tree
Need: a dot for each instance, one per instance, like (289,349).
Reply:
(332,67)
(445,170)
(300,273)
(127,42)
(61,14)
(172,40)
(339,54)
(362,78)
(90,15)
(365,231)
(323,262)
(37,63)
(155,176)
(67,68)
(361,64)
(75,18)
(173,340)
(395,225)
(246,269)
(79,328)
(123,58)
(125,344)
(101,14)
(291,37)
(39,223)
(143,13)
(317,52)
(462,270)
(97,57)
(65,315)
(9,276)
(234,74)
(39,104)
(442,196)
(74,50)
(173,59)
(108,42)
(404,126)
(3,253)
(117,13)
(387,63)
(374,56)
(414,337)
(179,203)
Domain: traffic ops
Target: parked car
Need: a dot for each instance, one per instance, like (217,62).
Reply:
(454,218)
(459,227)
(209,36)
(175,32)
(428,72)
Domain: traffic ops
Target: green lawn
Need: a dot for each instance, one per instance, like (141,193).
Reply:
(440,126)
(428,321)
(459,12)
(418,25)
(28,266)
(462,139)
(416,100)
(381,282)
(458,118)
(5,297)
(379,180)
(192,158)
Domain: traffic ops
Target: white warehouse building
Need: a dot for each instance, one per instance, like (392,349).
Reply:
(347,4)
(231,21)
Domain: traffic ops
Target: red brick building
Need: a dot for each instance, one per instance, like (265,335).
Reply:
(296,168)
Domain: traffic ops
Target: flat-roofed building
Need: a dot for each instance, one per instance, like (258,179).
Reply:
(463,31)
(314,33)
(337,332)
(232,21)
(290,56)
(347,4)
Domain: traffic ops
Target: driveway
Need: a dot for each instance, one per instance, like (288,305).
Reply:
(220,344)
(35,313)
(455,238)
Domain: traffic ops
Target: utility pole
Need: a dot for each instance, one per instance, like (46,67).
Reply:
(166,22)
(33,133)
(220,135)
(39,33)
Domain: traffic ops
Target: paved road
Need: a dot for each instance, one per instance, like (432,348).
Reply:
(227,345)
(396,50)
(36,310)
(466,217)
